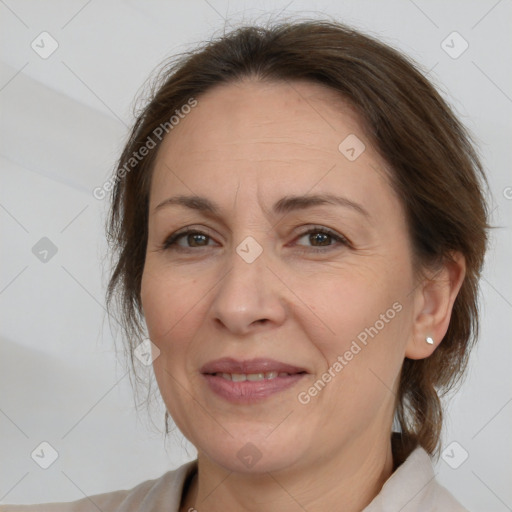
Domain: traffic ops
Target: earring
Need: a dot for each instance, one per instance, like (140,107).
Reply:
(429,340)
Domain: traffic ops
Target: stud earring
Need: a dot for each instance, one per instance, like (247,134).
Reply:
(429,340)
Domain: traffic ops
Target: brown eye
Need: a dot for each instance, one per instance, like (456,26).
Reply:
(322,237)
(193,237)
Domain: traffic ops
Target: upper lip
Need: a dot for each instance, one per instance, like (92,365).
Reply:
(258,365)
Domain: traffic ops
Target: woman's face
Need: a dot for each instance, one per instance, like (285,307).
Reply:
(252,284)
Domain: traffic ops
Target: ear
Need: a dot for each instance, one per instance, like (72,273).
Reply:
(433,304)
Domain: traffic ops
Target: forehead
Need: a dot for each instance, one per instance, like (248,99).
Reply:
(266,116)
(268,136)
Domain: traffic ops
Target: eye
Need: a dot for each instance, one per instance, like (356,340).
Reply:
(193,237)
(322,237)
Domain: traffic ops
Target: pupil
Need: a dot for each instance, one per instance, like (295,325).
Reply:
(195,236)
(317,235)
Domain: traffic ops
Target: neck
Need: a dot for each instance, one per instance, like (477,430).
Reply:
(346,481)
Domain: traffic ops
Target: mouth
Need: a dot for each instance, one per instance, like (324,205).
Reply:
(250,381)
(253,377)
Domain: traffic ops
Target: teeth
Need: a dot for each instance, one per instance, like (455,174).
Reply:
(255,376)
(240,377)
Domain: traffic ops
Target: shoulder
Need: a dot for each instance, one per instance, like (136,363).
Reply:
(444,500)
(156,495)
(413,488)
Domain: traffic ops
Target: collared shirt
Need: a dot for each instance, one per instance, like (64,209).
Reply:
(411,488)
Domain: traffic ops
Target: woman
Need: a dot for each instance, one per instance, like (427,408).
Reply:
(298,219)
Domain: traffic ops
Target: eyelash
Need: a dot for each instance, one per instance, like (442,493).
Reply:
(171,241)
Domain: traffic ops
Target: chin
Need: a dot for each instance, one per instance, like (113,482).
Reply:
(252,454)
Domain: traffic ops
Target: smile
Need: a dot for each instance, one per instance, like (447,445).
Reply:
(240,377)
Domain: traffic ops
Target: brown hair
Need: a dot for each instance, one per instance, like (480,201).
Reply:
(434,169)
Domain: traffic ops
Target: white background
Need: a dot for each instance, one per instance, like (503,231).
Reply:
(63,123)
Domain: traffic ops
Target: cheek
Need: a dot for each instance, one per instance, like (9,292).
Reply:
(362,318)
(166,301)
(168,311)
(347,302)
(173,310)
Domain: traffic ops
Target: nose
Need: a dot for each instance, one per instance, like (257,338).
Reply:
(249,296)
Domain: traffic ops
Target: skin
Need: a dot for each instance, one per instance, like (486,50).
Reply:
(245,146)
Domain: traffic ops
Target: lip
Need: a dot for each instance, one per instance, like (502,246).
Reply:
(249,392)
(258,365)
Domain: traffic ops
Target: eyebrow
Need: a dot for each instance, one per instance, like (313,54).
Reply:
(285,205)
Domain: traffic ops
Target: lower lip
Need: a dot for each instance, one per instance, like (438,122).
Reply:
(247,391)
